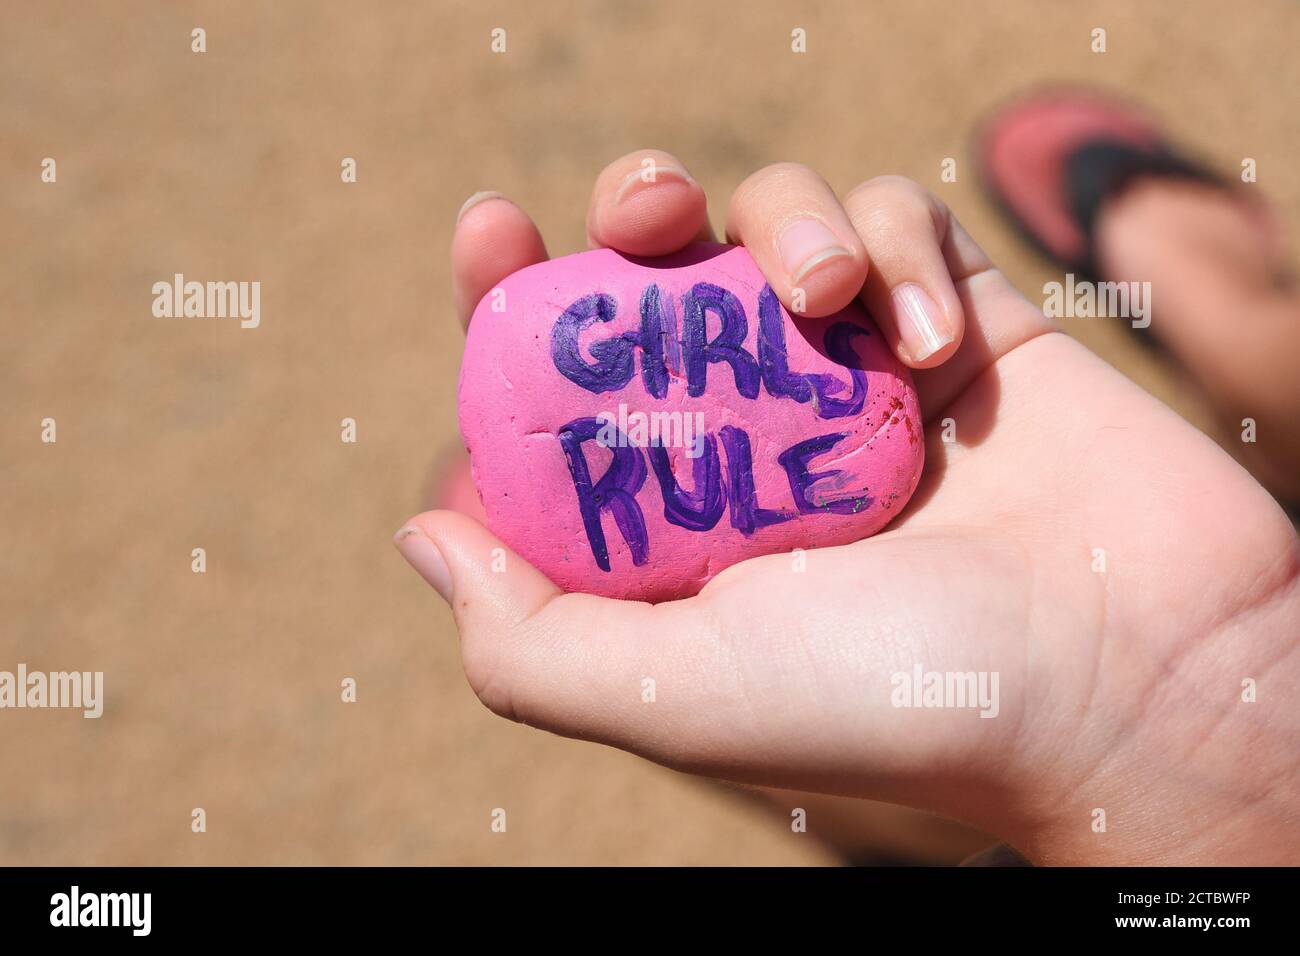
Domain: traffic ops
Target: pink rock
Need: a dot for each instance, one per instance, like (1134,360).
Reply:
(772,435)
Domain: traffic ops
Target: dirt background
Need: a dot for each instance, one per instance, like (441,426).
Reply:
(223,688)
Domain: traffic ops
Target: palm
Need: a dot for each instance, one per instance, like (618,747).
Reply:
(1077,538)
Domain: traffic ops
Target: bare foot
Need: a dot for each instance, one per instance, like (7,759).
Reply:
(1222,306)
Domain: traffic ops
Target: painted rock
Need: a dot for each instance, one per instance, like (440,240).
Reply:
(637,425)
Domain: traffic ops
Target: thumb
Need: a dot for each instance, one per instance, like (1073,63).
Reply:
(486,584)
(494,596)
(573,664)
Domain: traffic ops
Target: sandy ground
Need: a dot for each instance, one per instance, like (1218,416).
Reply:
(223,688)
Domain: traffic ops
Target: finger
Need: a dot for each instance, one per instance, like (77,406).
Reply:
(647,204)
(569,663)
(997,320)
(493,238)
(801,238)
(910,292)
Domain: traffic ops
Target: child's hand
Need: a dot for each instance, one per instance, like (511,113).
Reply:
(1120,573)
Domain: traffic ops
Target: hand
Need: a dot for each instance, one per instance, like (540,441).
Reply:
(1118,571)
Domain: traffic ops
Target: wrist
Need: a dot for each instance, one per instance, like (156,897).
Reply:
(1205,771)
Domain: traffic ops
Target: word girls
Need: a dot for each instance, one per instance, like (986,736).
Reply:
(664,357)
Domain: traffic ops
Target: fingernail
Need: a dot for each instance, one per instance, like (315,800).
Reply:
(806,244)
(919,321)
(423,555)
(648,176)
(474,200)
